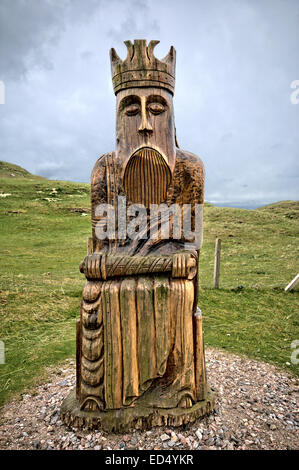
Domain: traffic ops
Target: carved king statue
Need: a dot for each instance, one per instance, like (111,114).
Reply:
(140,352)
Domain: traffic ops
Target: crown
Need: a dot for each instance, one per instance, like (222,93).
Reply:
(141,68)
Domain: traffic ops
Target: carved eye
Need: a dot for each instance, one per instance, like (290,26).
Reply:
(156,108)
(132,109)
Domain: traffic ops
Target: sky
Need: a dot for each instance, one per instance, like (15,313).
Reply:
(236,61)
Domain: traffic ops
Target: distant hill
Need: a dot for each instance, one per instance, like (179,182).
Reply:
(11,170)
(288,209)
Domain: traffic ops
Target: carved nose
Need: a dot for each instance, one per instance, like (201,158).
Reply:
(145,128)
(145,131)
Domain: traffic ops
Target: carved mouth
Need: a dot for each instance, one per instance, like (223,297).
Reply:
(147,177)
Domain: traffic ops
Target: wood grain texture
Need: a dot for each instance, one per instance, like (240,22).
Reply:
(140,346)
(99,266)
(133,417)
(141,68)
(91,387)
(187,187)
(148,167)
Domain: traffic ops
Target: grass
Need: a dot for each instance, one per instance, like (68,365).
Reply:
(44,229)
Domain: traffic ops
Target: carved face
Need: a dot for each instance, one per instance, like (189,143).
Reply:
(145,141)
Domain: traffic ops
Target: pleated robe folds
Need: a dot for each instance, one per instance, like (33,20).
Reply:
(148,341)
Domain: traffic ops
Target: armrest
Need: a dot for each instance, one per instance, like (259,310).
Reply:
(101,266)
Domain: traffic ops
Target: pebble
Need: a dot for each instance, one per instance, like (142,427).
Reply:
(62,383)
(256,409)
(171,443)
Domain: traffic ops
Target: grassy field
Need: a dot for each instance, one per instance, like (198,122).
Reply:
(44,229)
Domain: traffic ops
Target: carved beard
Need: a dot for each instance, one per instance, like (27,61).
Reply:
(147,177)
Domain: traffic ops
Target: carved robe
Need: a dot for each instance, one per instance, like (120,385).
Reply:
(138,332)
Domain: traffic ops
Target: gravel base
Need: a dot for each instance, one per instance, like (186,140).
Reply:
(256,409)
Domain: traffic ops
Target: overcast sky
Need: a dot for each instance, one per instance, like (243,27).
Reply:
(236,60)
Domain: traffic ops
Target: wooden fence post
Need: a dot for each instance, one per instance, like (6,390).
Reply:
(217,263)
(293,283)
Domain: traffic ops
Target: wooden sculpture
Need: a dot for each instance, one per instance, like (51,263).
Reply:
(140,353)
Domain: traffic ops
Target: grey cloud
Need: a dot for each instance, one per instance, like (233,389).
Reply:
(277,146)
(86,55)
(235,64)
(29,28)
(226,137)
(50,169)
(134,19)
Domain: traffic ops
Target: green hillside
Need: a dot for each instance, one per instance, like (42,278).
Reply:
(9,170)
(44,229)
